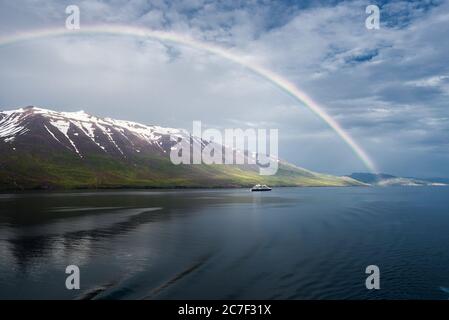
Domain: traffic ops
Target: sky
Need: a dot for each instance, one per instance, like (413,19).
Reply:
(388,88)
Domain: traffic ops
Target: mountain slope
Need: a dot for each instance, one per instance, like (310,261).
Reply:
(383,179)
(44,149)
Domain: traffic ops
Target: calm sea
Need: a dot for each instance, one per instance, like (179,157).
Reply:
(291,243)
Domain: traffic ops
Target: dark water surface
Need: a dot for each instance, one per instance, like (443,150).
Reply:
(291,243)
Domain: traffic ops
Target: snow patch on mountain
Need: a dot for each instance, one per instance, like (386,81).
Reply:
(63,127)
(52,134)
(12,124)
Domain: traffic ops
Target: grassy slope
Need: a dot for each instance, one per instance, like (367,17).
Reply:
(63,171)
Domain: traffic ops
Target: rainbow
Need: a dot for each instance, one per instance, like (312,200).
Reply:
(276,79)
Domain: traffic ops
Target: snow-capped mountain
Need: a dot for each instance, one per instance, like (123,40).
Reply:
(42,148)
(83,134)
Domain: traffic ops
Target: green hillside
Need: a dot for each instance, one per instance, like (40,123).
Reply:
(24,171)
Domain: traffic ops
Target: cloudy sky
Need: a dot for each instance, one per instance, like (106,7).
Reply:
(388,88)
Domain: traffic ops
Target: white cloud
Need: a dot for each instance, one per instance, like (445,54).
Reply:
(379,84)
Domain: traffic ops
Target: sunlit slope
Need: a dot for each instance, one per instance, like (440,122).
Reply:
(64,171)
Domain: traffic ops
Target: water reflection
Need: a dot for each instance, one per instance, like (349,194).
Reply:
(291,243)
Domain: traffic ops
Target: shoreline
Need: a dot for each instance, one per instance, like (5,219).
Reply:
(176,188)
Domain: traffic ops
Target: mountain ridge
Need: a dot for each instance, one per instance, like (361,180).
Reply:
(383,179)
(46,149)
